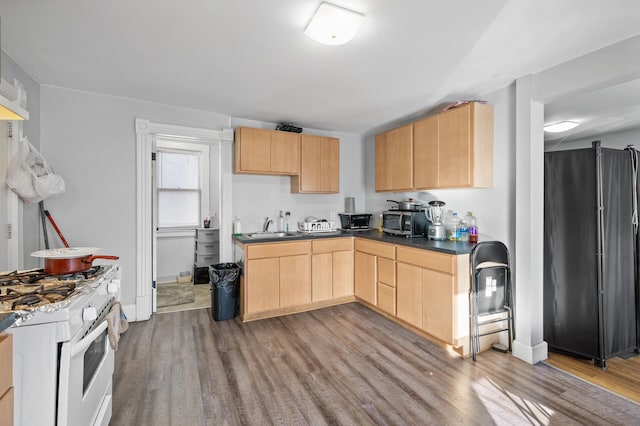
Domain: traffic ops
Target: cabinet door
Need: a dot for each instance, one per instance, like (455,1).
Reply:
(319,165)
(394,159)
(330,156)
(252,150)
(342,273)
(425,153)
(409,294)
(263,277)
(285,152)
(454,153)
(365,277)
(321,277)
(437,304)
(295,280)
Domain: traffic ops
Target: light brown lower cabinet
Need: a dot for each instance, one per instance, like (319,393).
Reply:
(409,298)
(331,269)
(262,285)
(425,289)
(295,280)
(286,277)
(365,277)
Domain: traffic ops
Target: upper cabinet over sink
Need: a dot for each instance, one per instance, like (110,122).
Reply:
(319,166)
(262,151)
(451,149)
(313,162)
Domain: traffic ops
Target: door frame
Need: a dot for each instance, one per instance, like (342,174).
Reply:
(146,130)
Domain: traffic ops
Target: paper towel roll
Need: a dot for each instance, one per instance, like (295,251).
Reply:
(350,205)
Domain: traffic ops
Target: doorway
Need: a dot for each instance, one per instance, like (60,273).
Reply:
(183,200)
(220,144)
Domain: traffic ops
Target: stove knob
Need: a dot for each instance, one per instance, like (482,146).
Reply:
(113,286)
(89,314)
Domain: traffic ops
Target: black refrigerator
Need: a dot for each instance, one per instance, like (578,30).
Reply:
(590,259)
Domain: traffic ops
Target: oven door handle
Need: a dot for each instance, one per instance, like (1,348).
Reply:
(82,345)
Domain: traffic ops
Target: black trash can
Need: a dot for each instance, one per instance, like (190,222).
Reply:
(225,278)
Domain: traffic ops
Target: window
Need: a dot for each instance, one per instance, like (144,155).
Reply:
(182,184)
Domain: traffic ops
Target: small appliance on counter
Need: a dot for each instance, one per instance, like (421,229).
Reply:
(411,223)
(436,229)
(355,221)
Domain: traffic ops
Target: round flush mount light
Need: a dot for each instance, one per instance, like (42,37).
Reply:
(560,126)
(334,25)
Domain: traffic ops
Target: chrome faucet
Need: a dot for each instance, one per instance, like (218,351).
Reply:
(267,222)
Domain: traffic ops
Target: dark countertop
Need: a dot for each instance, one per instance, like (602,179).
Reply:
(7,319)
(450,247)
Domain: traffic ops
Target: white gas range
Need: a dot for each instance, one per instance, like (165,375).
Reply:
(62,360)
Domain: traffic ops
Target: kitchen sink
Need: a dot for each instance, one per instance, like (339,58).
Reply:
(259,235)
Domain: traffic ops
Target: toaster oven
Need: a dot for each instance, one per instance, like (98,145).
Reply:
(355,221)
(404,222)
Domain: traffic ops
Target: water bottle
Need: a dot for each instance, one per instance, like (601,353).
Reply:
(280,222)
(473,229)
(455,228)
(237,226)
(464,230)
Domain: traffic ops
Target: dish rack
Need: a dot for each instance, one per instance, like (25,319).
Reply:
(313,227)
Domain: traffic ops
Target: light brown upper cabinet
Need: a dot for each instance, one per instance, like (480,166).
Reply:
(394,165)
(319,166)
(262,151)
(451,149)
(465,147)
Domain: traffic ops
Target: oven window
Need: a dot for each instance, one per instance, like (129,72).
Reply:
(92,359)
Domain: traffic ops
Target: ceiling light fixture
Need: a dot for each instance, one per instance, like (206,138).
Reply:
(334,25)
(560,126)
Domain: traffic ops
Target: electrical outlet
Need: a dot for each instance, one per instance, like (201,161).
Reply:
(9,231)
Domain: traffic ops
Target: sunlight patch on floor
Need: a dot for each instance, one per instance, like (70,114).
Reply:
(500,402)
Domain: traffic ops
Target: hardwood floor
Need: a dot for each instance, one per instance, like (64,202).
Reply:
(339,365)
(621,376)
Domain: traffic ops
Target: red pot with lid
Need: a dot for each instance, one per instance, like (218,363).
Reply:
(69,260)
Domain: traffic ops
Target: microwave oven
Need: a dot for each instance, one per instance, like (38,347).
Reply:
(404,222)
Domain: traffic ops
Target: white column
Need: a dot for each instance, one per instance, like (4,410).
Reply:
(529,344)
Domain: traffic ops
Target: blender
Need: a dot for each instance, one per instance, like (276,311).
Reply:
(436,229)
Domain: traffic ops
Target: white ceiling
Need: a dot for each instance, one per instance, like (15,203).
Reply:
(250,58)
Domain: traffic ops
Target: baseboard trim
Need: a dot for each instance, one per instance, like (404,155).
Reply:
(531,354)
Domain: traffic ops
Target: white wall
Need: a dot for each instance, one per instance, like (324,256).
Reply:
(495,206)
(616,140)
(175,254)
(90,139)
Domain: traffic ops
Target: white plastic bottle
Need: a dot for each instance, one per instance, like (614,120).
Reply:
(455,228)
(280,222)
(237,226)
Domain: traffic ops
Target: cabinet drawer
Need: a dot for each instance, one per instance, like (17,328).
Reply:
(207,259)
(207,248)
(387,298)
(375,248)
(332,244)
(6,362)
(387,272)
(428,259)
(205,235)
(258,251)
